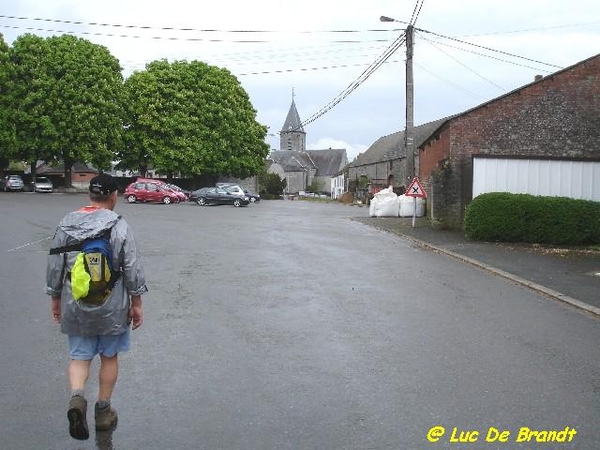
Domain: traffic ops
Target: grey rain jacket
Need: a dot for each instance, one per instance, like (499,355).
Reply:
(79,318)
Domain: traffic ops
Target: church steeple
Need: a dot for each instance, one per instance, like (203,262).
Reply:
(292,135)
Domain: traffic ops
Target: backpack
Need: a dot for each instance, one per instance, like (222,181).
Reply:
(93,276)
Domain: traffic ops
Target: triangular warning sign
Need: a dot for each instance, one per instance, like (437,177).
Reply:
(415,189)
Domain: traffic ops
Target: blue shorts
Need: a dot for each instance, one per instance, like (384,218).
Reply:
(86,347)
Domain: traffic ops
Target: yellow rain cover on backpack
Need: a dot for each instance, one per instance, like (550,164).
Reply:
(80,279)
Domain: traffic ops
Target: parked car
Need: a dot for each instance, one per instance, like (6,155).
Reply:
(197,193)
(12,183)
(234,189)
(42,184)
(183,195)
(220,196)
(148,191)
(253,196)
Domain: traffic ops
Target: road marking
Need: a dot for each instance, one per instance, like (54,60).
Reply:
(28,244)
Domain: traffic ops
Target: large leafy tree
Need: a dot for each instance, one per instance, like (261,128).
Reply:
(191,118)
(67,94)
(7,134)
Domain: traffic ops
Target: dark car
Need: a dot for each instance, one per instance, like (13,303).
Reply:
(219,196)
(197,193)
(150,192)
(253,196)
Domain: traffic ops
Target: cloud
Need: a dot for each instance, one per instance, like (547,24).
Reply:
(320,48)
(352,150)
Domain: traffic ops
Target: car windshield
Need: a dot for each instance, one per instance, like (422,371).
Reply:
(42,180)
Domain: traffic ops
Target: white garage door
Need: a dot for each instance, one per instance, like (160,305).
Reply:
(575,179)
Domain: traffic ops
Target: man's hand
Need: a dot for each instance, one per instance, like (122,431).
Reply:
(135,315)
(56,309)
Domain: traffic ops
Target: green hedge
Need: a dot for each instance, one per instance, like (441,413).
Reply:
(501,216)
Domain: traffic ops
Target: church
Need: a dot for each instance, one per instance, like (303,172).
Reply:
(304,170)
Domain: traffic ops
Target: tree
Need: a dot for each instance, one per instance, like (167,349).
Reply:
(191,118)
(7,131)
(315,186)
(270,185)
(67,97)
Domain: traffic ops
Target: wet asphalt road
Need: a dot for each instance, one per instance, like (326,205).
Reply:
(286,325)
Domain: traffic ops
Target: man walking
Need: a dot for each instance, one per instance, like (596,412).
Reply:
(100,326)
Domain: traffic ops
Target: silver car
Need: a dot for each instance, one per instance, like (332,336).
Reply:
(42,184)
(13,183)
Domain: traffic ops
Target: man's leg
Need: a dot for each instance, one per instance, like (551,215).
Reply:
(78,371)
(109,371)
(106,416)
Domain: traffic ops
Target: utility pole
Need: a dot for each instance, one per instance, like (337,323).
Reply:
(409,133)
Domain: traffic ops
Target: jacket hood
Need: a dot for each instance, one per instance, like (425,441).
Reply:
(84,224)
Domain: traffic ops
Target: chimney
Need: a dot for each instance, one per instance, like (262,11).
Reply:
(538,77)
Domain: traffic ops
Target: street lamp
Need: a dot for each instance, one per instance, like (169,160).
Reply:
(389,19)
(409,133)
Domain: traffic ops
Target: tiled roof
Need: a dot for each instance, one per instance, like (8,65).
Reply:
(393,146)
(326,162)
(60,168)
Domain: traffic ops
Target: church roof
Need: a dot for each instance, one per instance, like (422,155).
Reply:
(325,162)
(292,121)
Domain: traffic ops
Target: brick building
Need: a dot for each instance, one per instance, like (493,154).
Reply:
(556,117)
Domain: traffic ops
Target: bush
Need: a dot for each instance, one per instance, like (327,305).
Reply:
(271,185)
(501,216)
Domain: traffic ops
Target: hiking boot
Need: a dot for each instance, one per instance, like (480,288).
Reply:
(78,427)
(106,418)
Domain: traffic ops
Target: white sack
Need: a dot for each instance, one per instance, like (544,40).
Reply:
(407,206)
(384,204)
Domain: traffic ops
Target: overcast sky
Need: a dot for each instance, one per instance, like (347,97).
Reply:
(322,48)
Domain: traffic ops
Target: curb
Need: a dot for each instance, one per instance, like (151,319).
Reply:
(556,295)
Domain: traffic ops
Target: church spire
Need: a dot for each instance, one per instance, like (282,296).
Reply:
(292,135)
(292,121)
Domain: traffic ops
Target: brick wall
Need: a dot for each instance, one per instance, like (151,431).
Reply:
(557,117)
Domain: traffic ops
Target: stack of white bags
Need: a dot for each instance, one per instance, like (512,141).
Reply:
(384,204)
(387,204)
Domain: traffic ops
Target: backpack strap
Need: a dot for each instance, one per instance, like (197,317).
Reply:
(65,248)
(79,245)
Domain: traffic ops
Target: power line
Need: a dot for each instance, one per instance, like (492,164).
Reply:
(530,30)
(211,38)
(463,65)
(415,16)
(492,57)
(360,80)
(456,86)
(309,69)
(196,30)
(487,48)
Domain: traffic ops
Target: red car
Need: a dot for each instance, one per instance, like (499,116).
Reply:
(183,196)
(151,191)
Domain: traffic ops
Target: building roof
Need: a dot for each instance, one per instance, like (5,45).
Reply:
(49,168)
(292,121)
(393,145)
(325,162)
(442,122)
